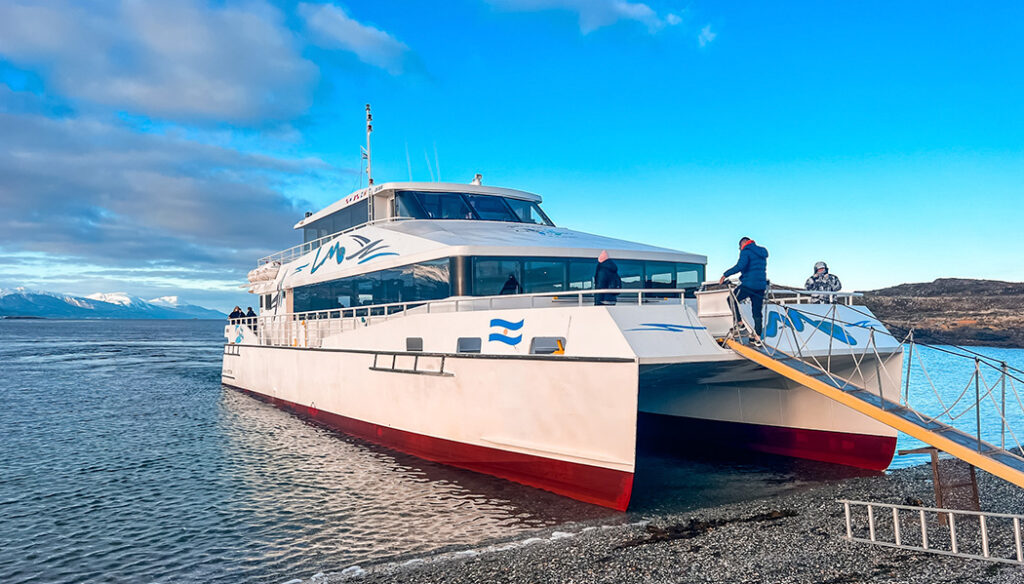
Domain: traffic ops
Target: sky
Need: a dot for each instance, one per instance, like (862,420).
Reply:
(160,148)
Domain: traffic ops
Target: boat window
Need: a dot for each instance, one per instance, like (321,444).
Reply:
(631,272)
(491,208)
(689,275)
(547,346)
(430,205)
(528,212)
(494,276)
(414,343)
(659,275)
(468,345)
(581,274)
(543,276)
(347,218)
(411,283)
(423,205)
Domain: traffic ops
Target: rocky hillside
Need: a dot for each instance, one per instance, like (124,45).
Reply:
(952,310)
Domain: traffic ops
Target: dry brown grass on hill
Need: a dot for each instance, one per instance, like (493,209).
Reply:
(954,311)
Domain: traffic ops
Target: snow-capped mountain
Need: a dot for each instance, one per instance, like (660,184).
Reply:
(23,302)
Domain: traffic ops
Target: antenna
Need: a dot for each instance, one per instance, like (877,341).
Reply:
(366,151)
(429,166)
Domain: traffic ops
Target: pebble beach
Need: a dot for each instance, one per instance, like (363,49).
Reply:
(794,537)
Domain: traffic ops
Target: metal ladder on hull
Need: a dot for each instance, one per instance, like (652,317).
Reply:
(993,459)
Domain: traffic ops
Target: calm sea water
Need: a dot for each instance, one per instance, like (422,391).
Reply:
(123,459)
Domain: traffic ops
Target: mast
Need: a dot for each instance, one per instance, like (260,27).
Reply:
(366,151)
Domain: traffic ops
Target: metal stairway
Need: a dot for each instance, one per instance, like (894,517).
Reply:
(962,445)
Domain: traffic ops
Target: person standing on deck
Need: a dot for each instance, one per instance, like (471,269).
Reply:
(606,277)
(753,270)
(823,281)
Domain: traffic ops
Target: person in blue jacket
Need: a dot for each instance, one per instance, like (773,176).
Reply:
(753,270)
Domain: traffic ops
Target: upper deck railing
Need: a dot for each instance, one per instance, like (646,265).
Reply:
(314,325)
(304,248)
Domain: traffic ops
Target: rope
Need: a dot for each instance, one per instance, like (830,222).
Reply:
(1001,366)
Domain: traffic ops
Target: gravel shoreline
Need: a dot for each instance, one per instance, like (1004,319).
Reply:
(795,537)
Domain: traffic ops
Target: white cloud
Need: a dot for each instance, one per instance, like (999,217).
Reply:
(182,60)
(706,36)
(103,191)
(673,19)
(593,14)
(332,28)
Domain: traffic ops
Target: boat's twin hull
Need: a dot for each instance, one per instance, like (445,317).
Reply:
(567,425)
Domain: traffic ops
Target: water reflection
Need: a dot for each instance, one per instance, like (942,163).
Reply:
(325,497)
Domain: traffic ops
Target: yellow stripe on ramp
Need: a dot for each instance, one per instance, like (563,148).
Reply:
(1008,466)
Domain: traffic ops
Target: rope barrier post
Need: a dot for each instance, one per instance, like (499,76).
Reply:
(910,361)
(1002,424)
(977,398)
(831,338)
(878,369)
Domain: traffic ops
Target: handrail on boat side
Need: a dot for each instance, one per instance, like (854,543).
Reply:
(303,248)
(797,296)
(269,327)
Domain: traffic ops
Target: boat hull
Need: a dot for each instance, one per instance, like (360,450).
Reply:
(591,484)
(866,451)
(561,424)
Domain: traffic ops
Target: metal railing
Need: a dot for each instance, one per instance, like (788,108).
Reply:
(308,329)
(871,363)
(304,248)
(796,296)
(958,538)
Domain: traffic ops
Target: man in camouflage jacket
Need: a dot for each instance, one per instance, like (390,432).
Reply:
(823,281)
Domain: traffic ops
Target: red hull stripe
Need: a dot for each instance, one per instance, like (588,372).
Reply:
(866,451)
(591,484)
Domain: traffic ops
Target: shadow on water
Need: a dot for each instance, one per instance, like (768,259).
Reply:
(681,476)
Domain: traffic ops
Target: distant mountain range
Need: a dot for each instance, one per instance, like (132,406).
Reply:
(22,303)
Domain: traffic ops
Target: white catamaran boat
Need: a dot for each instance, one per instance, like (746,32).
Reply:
(457,323)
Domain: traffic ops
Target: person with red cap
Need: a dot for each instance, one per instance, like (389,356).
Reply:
(606,277)
(753,270)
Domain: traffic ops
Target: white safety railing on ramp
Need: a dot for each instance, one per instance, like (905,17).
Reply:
(995,537)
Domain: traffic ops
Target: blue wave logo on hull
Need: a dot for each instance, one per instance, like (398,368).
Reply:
(506,326)
(367,251)
(799,320)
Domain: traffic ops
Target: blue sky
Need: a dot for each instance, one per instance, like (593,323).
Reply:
(161,147)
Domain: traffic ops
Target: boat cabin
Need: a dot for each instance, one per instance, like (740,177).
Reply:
(466,240)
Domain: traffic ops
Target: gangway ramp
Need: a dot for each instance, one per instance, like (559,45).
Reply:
(993,459)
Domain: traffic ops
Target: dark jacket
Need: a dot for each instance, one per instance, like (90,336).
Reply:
(607,276)
(250,314)
(752,267)
(236,314)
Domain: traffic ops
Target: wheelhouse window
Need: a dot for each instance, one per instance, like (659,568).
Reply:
(490,208)
(432,205)
(528,212)
(347,218)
